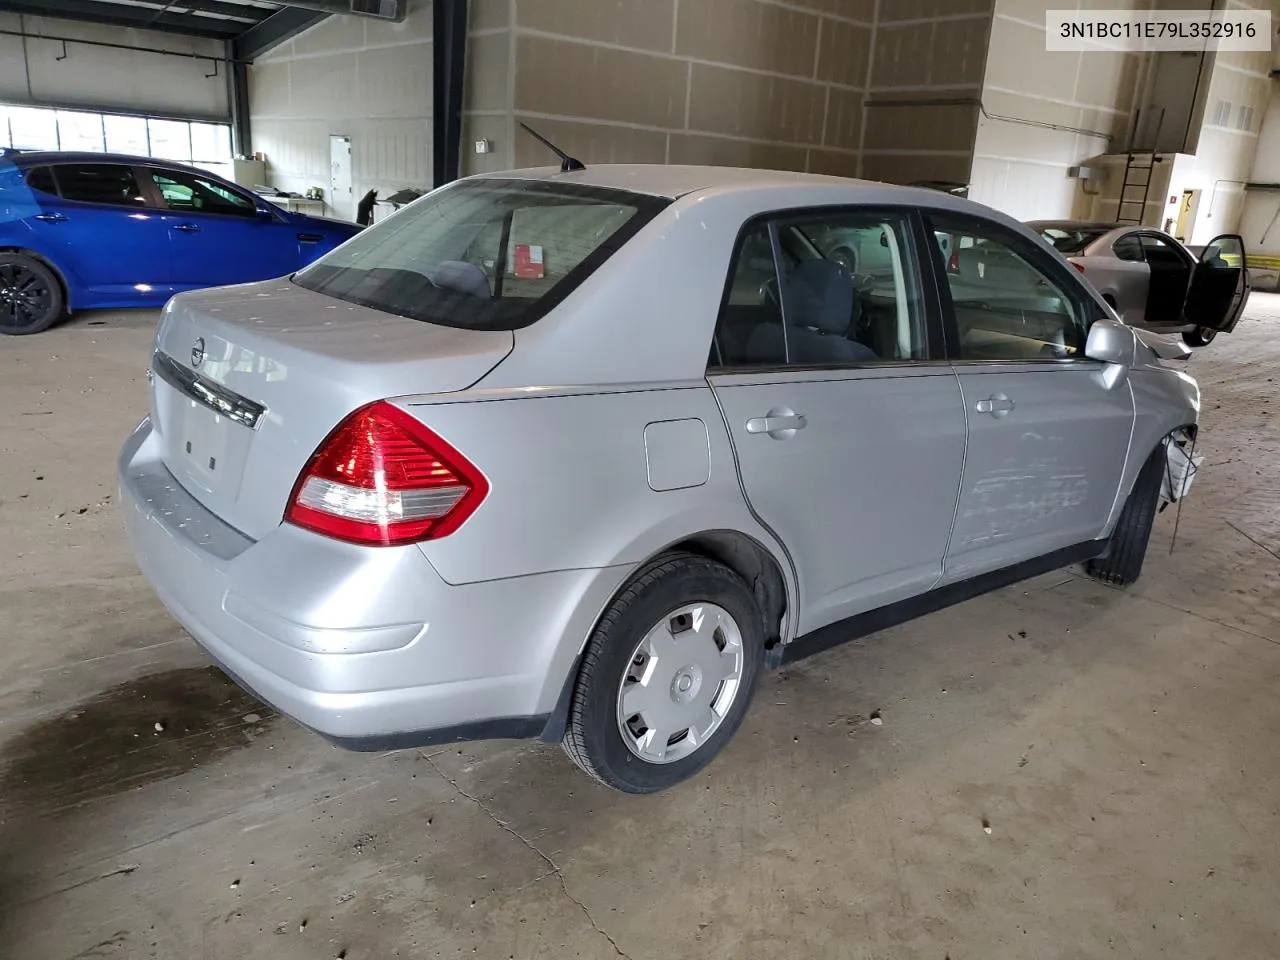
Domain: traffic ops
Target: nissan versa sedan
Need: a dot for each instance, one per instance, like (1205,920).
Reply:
(1153,281)
(81,231)
(577,455)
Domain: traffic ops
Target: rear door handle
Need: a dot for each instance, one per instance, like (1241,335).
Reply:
(781,424)
(50,218)
(998,405)
(186,227)
(309,238)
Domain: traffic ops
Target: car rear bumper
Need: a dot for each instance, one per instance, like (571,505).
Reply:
(367,646)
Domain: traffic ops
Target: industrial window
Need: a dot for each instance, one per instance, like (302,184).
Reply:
(1222,113)
(1246,117)
(203,145)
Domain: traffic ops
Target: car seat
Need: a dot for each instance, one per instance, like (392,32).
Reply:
(821,306)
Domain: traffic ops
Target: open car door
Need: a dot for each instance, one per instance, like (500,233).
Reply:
(1220,285)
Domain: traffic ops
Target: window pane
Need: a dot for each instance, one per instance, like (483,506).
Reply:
(191,192)
(99,183)
(1072,240)
(750,326)
(442,260)
(1128,248)
(878,282)
(210,143)
(33,129)
(848,295)
(126,135)
(80,131)
(1006,307)
(170,140)
(41,178)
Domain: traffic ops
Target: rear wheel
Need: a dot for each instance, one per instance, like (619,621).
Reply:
(1122,563)
(1199,337)
(30,296)
(666,676)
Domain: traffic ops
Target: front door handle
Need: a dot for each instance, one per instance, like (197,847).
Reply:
(309,238)
(50,218)
(779,423)
(998,405)
(186,227)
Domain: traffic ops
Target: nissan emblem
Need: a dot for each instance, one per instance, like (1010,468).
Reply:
(197,352)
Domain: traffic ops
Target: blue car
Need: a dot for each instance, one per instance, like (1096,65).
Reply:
(82,231)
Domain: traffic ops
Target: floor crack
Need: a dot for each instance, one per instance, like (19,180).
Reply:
(555,867)
(1253,540)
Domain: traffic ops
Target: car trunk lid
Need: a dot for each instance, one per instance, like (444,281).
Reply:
(247,381)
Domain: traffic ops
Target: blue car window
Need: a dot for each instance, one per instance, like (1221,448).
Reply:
(41,179)
(108,183)
(182,191)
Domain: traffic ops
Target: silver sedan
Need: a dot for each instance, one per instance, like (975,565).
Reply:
(1152,280)
(577,455)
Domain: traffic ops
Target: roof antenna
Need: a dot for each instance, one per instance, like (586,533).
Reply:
(567,163)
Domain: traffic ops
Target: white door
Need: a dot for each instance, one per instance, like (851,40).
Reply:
(341,200)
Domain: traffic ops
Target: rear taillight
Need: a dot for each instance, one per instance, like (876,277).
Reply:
(1079,266)
(382,478)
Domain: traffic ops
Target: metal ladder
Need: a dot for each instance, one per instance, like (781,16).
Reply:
(1138,175)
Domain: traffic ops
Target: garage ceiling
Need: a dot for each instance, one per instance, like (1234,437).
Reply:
(216,19)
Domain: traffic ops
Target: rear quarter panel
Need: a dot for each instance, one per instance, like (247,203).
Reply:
(570,479)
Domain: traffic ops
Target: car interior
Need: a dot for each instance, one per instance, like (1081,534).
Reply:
(844,297)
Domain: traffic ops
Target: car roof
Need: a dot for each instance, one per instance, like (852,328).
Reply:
(1076,225)
(37,157)
(674,181)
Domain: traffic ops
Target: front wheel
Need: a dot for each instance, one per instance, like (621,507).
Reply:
(30,296)
(667,675)
(1122,563)
(1199,337)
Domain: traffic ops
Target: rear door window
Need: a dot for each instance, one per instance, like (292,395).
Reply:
(1128,248)
(41,179)
(105,183)
(483,254)
(817,310)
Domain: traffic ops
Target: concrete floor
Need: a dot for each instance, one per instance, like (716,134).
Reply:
(1121,746)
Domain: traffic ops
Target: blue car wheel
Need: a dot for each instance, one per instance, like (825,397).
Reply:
(30,295)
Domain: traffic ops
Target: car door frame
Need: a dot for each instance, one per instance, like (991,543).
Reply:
(1189,261)
(1244,286)
(1057,270)
(740,375)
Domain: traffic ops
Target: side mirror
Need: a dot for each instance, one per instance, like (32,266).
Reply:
(1110,342)
(266,211)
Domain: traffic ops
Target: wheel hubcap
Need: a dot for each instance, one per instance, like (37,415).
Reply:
(681,682)
(24,296)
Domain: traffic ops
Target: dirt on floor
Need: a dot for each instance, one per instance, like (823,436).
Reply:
(1061,769)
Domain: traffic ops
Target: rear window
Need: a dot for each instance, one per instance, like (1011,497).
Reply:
(1069,240)
(482,254)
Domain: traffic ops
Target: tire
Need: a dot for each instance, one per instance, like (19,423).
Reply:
(31,298)
(625,655)
(1199,337)
(1122,563)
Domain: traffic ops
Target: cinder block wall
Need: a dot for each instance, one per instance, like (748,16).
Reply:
(748,82)
(767,83)
(351,76)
